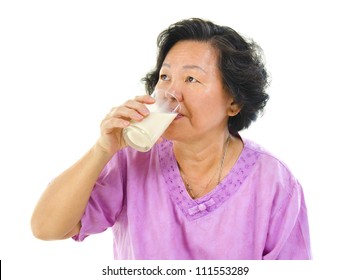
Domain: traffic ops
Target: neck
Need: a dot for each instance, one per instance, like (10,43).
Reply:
(201,157)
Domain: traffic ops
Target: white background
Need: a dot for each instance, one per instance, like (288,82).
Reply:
(64,64)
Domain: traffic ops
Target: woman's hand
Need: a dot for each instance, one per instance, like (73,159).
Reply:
(111,138)
(58,212)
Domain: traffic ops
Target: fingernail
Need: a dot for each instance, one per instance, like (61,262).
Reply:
(144,111)
(137,116)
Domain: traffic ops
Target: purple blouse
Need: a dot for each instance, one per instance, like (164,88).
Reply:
(256,212)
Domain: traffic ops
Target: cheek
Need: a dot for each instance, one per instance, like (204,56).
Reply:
(206,116)
(207,108)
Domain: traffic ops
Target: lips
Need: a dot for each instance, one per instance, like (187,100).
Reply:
(179,116)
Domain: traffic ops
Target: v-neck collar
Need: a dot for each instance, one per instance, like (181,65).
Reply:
(200,207)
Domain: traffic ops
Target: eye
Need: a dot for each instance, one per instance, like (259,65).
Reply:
(164,77)
(191,79)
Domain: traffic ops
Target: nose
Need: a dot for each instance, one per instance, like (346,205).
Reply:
(177,92)
(172,100)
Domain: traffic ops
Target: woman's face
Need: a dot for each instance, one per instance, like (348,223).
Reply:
(190,71)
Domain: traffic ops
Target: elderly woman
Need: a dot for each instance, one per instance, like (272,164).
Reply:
(202,192)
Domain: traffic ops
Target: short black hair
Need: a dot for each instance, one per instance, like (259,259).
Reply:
(240,62)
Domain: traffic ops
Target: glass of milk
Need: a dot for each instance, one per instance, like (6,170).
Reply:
(144,134)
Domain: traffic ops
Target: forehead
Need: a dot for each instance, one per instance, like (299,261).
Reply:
(198,53)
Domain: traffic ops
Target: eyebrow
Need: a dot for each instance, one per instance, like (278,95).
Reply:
(190,66)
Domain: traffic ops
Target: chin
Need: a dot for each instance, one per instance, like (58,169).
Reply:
(173,134)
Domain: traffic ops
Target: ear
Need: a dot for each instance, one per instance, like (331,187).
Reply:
(233,109)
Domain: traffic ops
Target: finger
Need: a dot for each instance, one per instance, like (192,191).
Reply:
(145,99)
(133,109)
(125,113)
(108,125)
(138,106)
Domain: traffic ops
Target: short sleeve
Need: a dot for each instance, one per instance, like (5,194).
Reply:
(288,236)
(106,200)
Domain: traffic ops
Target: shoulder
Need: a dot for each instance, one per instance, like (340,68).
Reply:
(264,157)
(269,168)
(272,180)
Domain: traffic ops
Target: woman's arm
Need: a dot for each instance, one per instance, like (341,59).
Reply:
(61,206)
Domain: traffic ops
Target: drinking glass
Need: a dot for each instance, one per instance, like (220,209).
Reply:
(144,134)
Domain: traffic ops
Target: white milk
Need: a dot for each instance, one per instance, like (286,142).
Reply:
(143,135)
